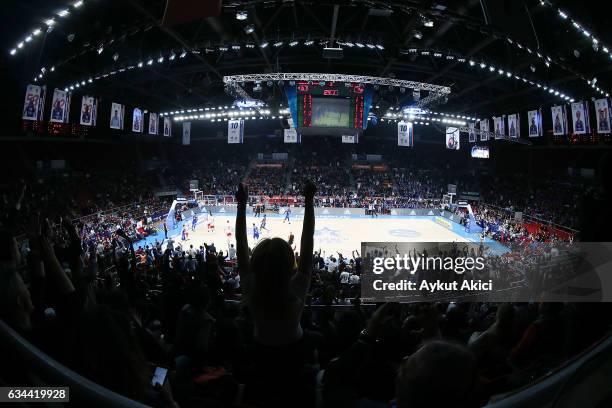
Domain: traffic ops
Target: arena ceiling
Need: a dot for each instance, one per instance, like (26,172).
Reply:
(440,42)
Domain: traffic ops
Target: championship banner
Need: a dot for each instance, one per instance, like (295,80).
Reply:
(167,127)
(137,120)
(500,128)
(117,115)
(484,129)
(405,134)
(60,107)
(350,139)
(153,121)
(514,126)
(559,119)
(452,138)
(580,118)
(534,119)
(472,132)
(602,113)
(291,135)
(235,131)
(186,133)
(34,102)
(89,111)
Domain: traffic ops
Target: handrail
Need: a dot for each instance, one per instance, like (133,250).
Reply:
(59,375)
(535,219)
(548,387)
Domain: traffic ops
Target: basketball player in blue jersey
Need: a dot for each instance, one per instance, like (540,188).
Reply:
(262,226)
(194,222)
(255,232)
(287,213)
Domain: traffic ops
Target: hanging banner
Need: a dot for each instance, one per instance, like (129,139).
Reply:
(235,131)
(580,118)
(405,134)
(34,102)
(559,120)
(186,133)
(484,130)
(480,152)
(153,121)
(472,132)
(500,128)
(117,115)
(167,127)
(534,119)
(602,113)
(89,110)
(137,120)
(514,126)
(452,138)
(60,107)
(291,135)
(350,139)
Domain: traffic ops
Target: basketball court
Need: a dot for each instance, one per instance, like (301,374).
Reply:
(333,234)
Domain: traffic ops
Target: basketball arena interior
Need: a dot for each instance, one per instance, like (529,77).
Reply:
(297,203)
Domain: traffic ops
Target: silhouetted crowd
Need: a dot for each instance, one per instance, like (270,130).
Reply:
(270,326)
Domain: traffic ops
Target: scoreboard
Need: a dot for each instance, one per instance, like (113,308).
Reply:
(329,105)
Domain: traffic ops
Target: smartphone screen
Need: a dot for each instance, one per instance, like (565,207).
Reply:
(159,376)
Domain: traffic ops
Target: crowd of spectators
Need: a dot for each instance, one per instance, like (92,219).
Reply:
(268,326)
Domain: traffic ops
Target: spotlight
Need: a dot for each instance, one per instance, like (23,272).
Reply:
(417,34)
(236,47)
(13,51)
(250,45)
(428,22)
(115,57)
(308,42)
(278,44)
(78,4)
(150,62)
(293,43)
(183,54)
(50,22)
(63,13)
(263,44)
(241,15)
(380,46)
(140,64)
(36,32)
(20,45)
(100,50)
(360,45)
(28,38)
(172,56)
(160,59)
(472,63)
(249,29)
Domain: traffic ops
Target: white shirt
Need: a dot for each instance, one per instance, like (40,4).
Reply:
(344,277)
(354,279)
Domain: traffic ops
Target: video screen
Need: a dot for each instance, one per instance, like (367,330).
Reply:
(331,112)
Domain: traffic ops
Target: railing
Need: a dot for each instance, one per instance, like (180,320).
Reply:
(537,220)
(83,392)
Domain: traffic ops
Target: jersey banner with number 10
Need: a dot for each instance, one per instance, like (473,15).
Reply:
(235,131)
(405,134)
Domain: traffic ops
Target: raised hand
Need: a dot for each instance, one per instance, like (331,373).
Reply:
(309,190)
(242,194)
